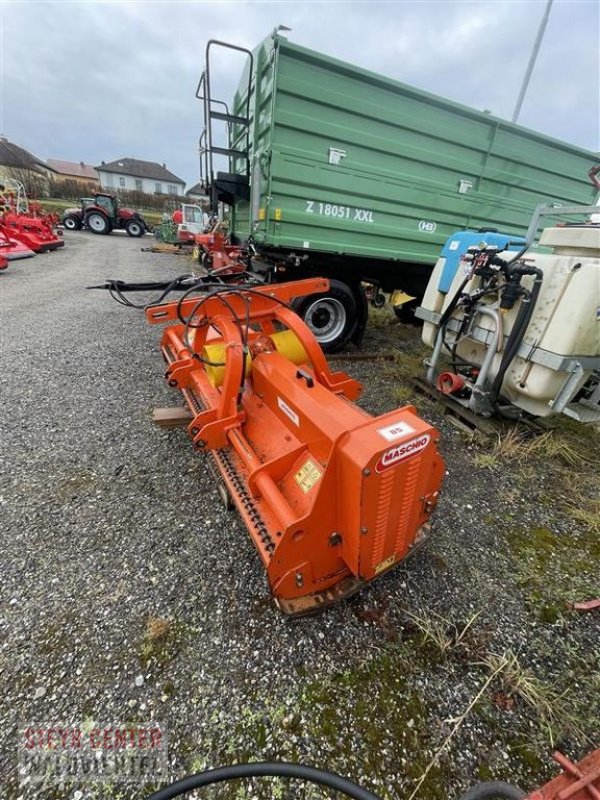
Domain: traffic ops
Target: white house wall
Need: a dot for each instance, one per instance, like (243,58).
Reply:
(111,180)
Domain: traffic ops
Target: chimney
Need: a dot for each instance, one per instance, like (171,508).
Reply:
(103,163)
(81,164)
(164,166)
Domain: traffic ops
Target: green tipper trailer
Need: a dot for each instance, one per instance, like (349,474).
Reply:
(335,170)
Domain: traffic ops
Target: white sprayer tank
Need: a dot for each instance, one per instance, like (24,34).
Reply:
(565,324)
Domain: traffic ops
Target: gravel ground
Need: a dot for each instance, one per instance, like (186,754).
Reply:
(130,594)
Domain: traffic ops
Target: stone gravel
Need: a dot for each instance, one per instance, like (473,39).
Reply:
(108,523)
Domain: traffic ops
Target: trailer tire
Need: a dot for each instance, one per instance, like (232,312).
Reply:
(331,316)
(72,223)
(97,223)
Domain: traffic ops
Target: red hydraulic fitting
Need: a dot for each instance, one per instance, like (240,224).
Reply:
(450,383)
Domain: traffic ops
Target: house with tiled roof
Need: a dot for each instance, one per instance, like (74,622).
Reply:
(12,155)
(133,174)
(196,192)
(21,165)
(83,174)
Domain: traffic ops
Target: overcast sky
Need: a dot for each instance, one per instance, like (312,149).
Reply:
(92,81)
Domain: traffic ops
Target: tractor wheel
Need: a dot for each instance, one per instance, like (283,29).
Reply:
(97,223)
(134,228)
(331,316)
(72,223)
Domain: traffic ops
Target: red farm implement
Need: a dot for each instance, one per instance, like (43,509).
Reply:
(331,497)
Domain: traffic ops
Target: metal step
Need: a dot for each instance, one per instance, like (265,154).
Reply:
(226,151)
(583,411)
(232,118)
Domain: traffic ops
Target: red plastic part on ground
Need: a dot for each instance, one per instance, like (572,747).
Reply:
(577,782)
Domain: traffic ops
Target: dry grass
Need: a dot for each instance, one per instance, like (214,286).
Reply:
(549,705)
(555,445)
(156,639)
(559,446)
(440,632)
(458,722)
(157,628)
(516,682)
(567,454)
(581,495)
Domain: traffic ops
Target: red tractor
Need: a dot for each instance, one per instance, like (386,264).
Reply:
(102,214)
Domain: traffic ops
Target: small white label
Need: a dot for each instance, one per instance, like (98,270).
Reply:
(289,412)
(336,155)
(454,245)
(306,245)
(395,431)
(427,226)
(401,452)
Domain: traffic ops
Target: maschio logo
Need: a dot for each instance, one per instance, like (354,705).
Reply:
(401,452)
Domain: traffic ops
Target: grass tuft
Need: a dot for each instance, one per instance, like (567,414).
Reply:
(549,705)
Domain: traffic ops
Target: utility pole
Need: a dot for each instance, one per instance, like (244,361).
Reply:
(532,60)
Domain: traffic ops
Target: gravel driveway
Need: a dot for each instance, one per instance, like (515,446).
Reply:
(129,594)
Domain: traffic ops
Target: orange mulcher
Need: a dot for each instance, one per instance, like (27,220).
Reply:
(331,496)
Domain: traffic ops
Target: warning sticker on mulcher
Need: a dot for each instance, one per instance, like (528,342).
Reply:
(387,562)
(289,412)
(401,452)
(395,431)
(308,476)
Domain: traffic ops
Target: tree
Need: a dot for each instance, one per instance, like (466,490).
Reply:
(35,183)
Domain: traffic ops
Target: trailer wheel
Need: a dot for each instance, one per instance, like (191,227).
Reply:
(331,316)
(72,223)
(97,223)
(134,228)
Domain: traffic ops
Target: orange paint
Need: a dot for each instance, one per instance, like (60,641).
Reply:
(331,496)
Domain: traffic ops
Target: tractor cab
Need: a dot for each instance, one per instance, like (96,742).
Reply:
(193,221)
(107,203)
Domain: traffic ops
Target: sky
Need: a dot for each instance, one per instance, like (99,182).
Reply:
(92,81)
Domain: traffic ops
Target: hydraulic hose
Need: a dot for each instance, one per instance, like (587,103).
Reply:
(265,769)
(491,790)
(455,299)
(453,303)
(494,790)
(517,334)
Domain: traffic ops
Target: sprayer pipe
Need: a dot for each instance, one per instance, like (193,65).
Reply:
(439,340)
(492,347)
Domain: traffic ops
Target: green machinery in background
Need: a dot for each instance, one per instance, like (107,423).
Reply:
(333,169)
